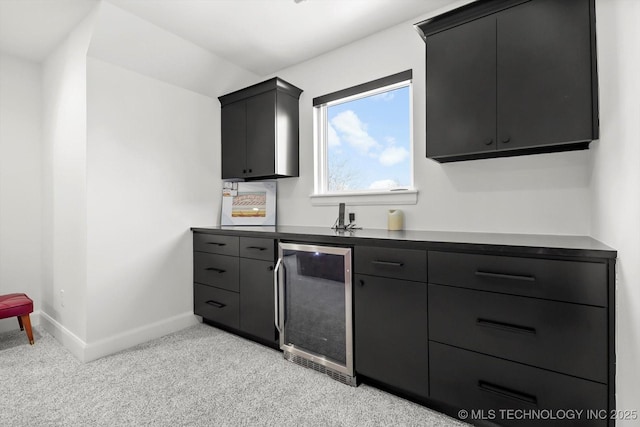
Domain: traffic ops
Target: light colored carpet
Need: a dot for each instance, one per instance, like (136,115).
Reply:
(200,376)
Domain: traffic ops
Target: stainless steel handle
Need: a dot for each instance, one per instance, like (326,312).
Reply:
(276,311)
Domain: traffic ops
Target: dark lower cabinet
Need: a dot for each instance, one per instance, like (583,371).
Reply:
(390,319)
(509,393)
(256,299)
(492,333)
(233,284)
(514,338)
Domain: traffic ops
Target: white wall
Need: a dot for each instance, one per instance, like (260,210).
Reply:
(616,179)
(20,182)
(152,173)
(546,194)
(64,165)
(152,168)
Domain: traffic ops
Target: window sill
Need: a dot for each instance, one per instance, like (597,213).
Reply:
(403,197)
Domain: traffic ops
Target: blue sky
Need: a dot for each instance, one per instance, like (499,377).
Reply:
(369,141)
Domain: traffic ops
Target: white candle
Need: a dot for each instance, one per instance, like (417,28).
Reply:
(395,219)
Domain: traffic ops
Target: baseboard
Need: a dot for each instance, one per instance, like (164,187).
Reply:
(11,324)
(68,339)
(124,340)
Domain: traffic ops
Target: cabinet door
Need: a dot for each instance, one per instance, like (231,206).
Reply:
(461,89)
(233,140)
(261,135)
(256,298)
(544,74)
(391,332)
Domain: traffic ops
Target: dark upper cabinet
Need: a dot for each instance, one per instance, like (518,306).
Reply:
(260,131)
(234,151)
(461,90)
(511,77)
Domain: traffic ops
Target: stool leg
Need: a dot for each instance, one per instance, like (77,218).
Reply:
(26,321)
(20,323)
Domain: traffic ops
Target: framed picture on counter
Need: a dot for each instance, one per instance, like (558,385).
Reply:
(248,203)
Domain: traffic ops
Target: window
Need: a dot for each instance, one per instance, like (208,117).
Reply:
(363,139)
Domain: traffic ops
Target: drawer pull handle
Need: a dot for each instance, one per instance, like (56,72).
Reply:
(257,248)
(388,263)
(506,327)
(216,304)
(508,393)
(216,244)
(505,276)
(218,270)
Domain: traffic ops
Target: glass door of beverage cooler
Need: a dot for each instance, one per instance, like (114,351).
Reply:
(314,315)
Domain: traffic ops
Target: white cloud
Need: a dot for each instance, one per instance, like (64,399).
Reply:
(384,96)
(383,184)
(354,131)
(393,155)
(332,136)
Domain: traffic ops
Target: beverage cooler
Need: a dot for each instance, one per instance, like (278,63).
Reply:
(312,287)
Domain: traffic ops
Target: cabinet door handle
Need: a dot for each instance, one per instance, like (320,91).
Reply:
(257,248)
(388,263)
(218,270)
(505,276)
(508,327)
(216,244)
(216,304)
(489,142)
(508,393)
(361,282)
(506,140)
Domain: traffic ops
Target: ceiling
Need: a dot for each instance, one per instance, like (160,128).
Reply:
(262,36)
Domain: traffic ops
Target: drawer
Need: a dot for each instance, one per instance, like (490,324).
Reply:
(216,304)
(257,248)
(476,382)
(216,270)
(559,336)
(572,281)
(408,264)
(216,244)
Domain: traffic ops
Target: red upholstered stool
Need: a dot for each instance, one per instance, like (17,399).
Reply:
(18,305)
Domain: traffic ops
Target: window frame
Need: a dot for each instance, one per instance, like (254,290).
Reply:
(321,195)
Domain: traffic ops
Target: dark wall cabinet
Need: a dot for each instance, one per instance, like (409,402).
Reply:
(510,77)
(260,131)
